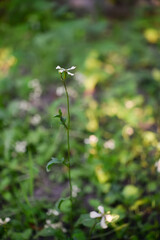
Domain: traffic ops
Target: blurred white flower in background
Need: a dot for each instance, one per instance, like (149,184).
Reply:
(110,144)
(35,120)
(92,140)
(37,90)
(5,221)
(128,130)
(129,104)
(79,77)
(61,70)
(75,191)
(24,105)
(54,225)
(60,91)
(157,165)
(52,212)
(20,146)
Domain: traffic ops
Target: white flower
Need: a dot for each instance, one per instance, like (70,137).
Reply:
(37,90)
(61,70)
(101,215)
(52,212)
(110,144)
(75,190)
(129,104)
(24,105)
(35,120)
(60,91)
(54,225)
(157,165)
(92,140)
(128,130)
(105,217)
(6,220)
(21,146)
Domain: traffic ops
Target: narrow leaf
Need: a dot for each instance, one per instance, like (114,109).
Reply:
(59,202)
(53,161)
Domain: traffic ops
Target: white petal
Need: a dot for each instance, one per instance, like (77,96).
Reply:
(61,70)
(109,218)
(70,73)
(48,221)
(101,209)
(7,219)
(94,214)
(103,223)
(58,67)
(71,68)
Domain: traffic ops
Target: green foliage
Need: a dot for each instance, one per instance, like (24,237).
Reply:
(54,161)
(114,130)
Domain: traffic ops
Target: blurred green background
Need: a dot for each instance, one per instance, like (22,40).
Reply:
(115,112)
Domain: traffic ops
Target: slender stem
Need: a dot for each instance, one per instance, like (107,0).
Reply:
(91,230)
(68,143)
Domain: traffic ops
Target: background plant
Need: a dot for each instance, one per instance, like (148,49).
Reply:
(115,131)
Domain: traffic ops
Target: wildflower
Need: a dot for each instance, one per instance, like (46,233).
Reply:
(60,91)
(52,212)
(61,70)
(79,77)
(129,104)
(110,144)
(157,165)
(24,105)
(75,191)
(37,90)
(54,225)
(35,120)
(20,146)
(6,220)
(104,217)
(92,140)
(128,130)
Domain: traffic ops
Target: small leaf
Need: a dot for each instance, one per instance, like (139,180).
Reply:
(57,116)
(59,202)
(85,220)
(54,161)
(60,112)
(45,232)
(79,235)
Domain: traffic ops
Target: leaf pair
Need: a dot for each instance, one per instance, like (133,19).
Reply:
(62,119)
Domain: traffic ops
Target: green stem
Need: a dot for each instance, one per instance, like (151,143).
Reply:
(68,143)
(91,230)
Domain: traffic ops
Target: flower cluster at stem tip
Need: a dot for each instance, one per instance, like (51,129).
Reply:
(66,71)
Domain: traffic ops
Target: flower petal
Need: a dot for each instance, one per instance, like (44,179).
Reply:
(109,218)
(103,223)
(101,209)
(94,214)
(70,73)
(61,70)
(7,219)
(71,68)
(58,67)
